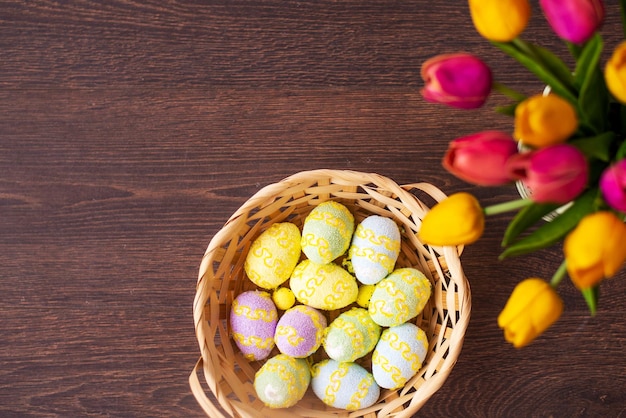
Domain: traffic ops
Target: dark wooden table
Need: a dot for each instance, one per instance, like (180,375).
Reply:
(130,131)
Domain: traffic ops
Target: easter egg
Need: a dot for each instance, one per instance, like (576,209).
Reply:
(299,331)
(344,385)
(364,295)
(282,381)
(323,286)
(399,355)
(375,248)
(327,232)
(351,335)
(283,298)
(399,297)
(273,255)
(253,318)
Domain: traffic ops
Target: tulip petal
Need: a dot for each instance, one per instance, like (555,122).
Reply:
(457,220)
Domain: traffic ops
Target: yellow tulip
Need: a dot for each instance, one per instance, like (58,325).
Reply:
(533,306)
(457,220)
(615,73)
(541,121)
(500,20)
(595,249)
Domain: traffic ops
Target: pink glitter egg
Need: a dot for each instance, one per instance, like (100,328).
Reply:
(300,331)
(253,318)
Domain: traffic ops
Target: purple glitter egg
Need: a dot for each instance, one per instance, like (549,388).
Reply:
(300,331)
(253,318)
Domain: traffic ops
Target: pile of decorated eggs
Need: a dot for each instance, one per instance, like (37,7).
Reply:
(330,266)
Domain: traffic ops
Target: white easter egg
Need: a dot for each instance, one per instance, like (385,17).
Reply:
(344,385)
(399,355)
(375,248)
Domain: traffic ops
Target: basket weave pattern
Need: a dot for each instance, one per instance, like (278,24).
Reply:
(229,377)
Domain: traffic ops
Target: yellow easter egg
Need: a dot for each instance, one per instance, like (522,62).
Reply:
(323,286)
(365,294)
(273,255)
(327,232)
(283,298)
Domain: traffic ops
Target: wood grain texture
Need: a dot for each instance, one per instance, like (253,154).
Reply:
(130,131)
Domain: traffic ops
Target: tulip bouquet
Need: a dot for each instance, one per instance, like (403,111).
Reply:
(567,149)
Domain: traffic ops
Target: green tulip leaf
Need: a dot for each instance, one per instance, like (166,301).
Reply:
(526,218)
(553,231)
(621,152)
(598,146)
(594,97)
(589,58)
(591,295)
(552,73)
(507,110)
(551,62)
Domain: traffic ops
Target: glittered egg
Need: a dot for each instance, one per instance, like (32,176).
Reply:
(323,286)
(327,232)
(253,318)
(273,255)
(282,381)
(300,331)
(399,297)
(375,248)
(399,355)
(344,385)
(351,335)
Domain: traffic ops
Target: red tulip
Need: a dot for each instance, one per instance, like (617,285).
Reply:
(554,174)
(574,20)
(613,185)
(481,158)
(459,80)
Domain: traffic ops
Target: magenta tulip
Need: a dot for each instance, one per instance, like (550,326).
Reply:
(574,20)
(554,174)
(481,158)
(613,185)
(459,80)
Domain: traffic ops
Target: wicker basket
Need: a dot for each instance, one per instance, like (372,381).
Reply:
(229,377)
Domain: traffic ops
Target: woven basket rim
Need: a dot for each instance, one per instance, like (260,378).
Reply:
(226,390)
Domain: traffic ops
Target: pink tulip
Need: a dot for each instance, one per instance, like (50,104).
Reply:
(480,158)
(613,185)
(554,174)
(459,80)
(574,20)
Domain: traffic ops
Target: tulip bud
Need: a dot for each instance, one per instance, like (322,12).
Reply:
(555,174)
(480,158)
(500,20)
(575,21)
(595,249)
(613,185)
(458,80)
(615,73)
(533,306)
(457,220)
(541,120)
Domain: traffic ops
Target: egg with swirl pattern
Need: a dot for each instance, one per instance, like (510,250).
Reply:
(323,286)
(253,318)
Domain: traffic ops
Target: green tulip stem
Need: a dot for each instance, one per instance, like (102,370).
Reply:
(559,274)
(506,206)
(507,91)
